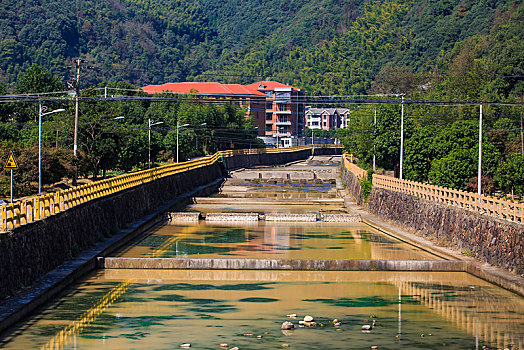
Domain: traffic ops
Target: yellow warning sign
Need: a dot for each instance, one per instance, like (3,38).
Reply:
(10,164)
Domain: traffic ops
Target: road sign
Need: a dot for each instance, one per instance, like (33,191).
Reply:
(10,164)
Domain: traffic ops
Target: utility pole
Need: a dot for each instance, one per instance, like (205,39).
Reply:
(521,134)
(479,179)
(401,138)
(374,138)
(77,65)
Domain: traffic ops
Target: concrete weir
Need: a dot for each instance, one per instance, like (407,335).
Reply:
(220,217)
(191,217)
(282,264)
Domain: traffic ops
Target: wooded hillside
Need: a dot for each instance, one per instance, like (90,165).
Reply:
(324,46)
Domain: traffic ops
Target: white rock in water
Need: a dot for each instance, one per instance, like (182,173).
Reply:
(287,325)
(187,345)
(292,316)
(302,323)
(308,318)
(235,348)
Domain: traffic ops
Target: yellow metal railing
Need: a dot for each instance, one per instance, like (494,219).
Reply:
(28,210)
(499,208)
(350,166)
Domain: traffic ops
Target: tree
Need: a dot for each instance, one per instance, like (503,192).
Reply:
(38,79)
(454,170)
(510,174)
(418,155)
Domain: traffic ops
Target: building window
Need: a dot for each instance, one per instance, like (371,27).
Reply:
(269,116)
(282,107)
(269,105)
(282,95)
(268,128)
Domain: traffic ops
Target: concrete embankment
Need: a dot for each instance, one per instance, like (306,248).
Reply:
(282,264)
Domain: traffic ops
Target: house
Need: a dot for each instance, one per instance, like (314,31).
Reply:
(327,118)
(277,109)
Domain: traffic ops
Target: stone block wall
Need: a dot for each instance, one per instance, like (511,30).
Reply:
(31,250)
(491,240)
(352,185)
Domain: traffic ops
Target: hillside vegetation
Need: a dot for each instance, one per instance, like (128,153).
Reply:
(439,50)
(324,46)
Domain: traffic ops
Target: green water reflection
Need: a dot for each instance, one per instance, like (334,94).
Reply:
(163,309)
(273,240)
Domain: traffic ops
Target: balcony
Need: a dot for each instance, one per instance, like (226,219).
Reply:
(283,112)
(283,122)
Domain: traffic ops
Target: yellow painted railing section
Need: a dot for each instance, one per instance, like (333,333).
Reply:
(486,205)
(350,166)
(28,210)
(498,208)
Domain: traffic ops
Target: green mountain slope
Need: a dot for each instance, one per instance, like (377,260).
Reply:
(324,46)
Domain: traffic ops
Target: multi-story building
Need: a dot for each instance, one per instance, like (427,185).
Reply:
(277,109)
(284,109)
(327,118)
(252,100)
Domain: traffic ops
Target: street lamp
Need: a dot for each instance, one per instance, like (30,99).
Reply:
(196,137)
(41,113)
(177,127)
(150,124)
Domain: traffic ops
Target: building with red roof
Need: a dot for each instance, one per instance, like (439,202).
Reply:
(284,109)
(277,109)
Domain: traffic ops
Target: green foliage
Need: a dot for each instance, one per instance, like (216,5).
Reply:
(510,174)
(453,170)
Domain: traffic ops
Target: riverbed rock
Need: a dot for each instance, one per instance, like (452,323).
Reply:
(308,318)
(287,325)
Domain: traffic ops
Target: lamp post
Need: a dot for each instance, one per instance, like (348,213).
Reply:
(150,124)
(196,137)
(41,113)
(178,126)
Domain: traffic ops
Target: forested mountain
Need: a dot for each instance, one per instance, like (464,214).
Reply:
(324,46)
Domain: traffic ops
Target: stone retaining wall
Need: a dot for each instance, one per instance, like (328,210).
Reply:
(352,185)
(494,241)
(31,250)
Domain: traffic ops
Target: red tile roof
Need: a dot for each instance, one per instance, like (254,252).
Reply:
(269,85)
(203,89)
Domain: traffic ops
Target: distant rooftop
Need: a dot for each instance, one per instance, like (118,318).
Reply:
(198,88)
(270,85)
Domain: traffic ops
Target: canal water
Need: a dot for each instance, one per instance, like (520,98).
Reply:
(276,240)
(163,309)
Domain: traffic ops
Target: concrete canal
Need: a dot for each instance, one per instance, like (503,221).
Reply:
(294,214)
